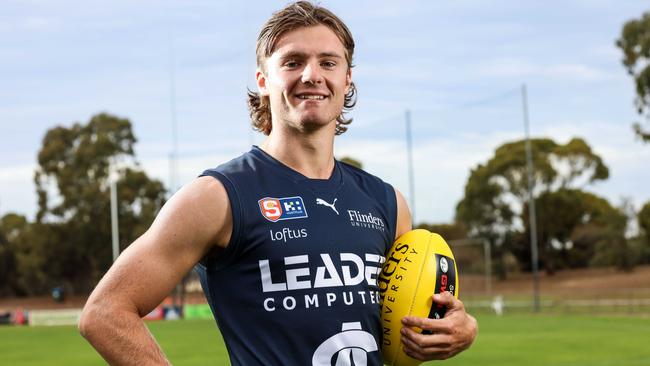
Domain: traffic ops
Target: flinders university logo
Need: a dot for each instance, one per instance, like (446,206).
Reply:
(287,208)
(350,347)
(367,220)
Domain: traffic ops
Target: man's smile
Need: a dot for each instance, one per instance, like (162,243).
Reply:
(311,96)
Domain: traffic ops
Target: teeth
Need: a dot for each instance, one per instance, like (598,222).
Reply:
(312,97)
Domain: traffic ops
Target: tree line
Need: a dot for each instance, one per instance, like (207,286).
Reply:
(575,228)
(68,243)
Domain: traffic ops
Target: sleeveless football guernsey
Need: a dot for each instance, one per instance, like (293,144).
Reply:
(297,284)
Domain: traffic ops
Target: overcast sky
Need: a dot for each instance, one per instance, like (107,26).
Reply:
(457,65)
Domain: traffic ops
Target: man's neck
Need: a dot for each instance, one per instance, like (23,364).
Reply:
(312,155)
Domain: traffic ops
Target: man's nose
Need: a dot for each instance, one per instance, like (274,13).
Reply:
(311,73)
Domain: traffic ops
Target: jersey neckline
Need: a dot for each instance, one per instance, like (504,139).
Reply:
(317,185)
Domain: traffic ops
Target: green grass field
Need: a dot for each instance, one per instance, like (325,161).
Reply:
(515,340)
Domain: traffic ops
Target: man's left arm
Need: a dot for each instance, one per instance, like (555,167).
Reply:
(450,335)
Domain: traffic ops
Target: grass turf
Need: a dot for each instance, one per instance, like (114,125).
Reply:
(528,340)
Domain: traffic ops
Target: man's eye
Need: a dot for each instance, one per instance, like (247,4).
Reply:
(329,64)
(291,64)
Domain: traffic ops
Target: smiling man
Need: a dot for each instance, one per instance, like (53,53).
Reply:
(306,77)
(288,240)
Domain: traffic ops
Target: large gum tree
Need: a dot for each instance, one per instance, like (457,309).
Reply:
(494,207)
(634,41)
(74,199)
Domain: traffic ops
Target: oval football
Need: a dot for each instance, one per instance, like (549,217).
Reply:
(419,264)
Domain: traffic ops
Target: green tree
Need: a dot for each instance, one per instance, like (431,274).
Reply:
(494,205)
(612,247)
(644,218)
(10,227)
(24,259)
(352,161)
(635,44)
(643,240)
(571,224)
(73,219)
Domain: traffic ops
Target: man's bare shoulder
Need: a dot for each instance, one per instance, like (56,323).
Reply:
(203,187)
(202,207)
(403,215)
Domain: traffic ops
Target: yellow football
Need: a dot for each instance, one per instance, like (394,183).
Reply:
(419,264)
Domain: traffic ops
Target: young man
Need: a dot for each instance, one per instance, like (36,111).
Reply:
(289,241)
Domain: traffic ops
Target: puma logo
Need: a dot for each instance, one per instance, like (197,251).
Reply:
(320,201)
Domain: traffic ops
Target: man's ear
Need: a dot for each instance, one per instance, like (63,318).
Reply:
(261,82)
(348,80)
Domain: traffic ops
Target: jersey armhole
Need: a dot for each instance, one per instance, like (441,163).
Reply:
(392,211)
(216,261)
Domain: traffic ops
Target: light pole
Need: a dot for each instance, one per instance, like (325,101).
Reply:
(173,156)
(112,181)
(409,151)
(531,204)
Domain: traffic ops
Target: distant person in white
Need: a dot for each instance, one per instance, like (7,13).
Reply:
(497,305)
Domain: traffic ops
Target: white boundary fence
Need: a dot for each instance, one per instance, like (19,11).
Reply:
(569,306)
(54,317)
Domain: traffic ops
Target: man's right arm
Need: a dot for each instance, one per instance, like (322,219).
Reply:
(192,222)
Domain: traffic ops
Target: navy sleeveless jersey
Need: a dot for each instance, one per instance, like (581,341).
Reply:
(297,284)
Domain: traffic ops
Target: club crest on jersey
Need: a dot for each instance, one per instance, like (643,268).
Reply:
(287,208)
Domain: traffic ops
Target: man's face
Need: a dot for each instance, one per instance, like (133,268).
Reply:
(306,78)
